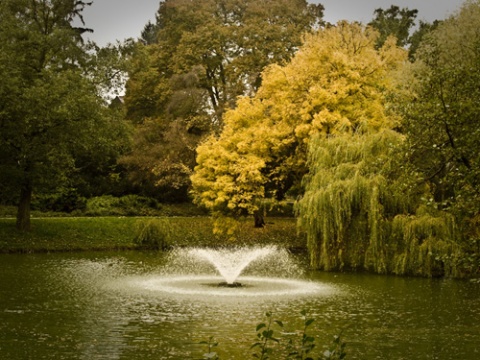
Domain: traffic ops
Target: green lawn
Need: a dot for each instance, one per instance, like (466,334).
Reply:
(116,233)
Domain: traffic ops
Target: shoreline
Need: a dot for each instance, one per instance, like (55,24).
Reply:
(113,233)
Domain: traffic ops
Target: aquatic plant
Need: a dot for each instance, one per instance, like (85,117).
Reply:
(265,337)
(300,346)
(211,344)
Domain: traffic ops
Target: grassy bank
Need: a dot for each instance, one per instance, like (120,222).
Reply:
(116,233)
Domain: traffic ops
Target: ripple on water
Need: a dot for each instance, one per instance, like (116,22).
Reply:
(207,286)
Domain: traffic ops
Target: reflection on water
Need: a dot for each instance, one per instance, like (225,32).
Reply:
(110,306)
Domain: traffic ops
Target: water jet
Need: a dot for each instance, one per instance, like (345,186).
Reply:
(230,263)
(247,272)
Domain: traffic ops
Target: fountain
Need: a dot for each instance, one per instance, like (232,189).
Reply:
(230,264)
(231,272)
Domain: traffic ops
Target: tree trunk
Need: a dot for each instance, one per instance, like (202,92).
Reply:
(259,221)
(23,212)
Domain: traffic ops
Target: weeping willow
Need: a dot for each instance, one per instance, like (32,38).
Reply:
(424,244)
(358,214)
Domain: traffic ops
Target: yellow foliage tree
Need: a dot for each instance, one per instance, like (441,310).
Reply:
(336,83)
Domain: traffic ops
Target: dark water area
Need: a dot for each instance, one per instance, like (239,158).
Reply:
(128,305)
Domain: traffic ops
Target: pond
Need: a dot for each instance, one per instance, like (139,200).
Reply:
(122,306)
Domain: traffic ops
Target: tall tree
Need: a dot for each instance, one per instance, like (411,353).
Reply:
(441,112)
(394,22)
(335,84)
(50,109)
(205,54)
(406,203)
(230,40)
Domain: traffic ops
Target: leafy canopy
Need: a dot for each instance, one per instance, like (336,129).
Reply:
(394,22)
(195,60)
(441,110)
(406,203)
(335,84)
(50,106)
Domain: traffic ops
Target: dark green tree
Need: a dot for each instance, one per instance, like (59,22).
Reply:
(51,110)
(424,28)
(394,22)
(149,34)
(441,115)
(440,110)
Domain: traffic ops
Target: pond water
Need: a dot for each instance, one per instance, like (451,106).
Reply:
(127,305)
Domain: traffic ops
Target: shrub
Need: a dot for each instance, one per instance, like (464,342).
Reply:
(8,211)
(63,201)
(129,205)
(101,206)
(153,234)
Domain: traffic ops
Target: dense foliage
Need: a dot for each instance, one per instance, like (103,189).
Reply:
(418,216)
(333,85)
(381,151)
(50,106)
(361,212)
(194,62)
(394,21)
(441,110)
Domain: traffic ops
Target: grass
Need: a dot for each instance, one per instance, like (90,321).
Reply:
(68,234)
(118,233)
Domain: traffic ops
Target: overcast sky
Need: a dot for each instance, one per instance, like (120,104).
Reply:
(120,19)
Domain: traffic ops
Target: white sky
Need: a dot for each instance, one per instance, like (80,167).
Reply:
(120,19)
(362,10)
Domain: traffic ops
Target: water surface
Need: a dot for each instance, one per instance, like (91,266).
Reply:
(100,306)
